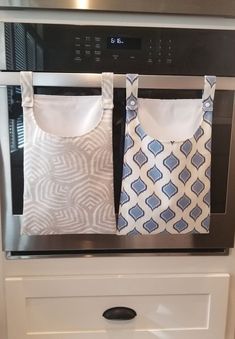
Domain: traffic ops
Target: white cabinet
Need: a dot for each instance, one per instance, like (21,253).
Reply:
(170,306)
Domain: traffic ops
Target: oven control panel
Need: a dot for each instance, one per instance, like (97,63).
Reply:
(69,48)
(120,48)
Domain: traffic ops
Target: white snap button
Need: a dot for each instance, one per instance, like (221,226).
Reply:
(132,103)
(207,104)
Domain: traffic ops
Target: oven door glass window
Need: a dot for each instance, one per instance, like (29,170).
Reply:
(221,132)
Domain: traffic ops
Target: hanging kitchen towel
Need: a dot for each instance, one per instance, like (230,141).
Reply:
(166,166)
(68,166)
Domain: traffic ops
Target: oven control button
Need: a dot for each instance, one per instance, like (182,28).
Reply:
(159,60)
(97,46)
(97,39)
(115,56)
(87,45)
(77,52)
(159,49)
(132,57)
(97,52)
(78,59)
(87,53)
(169,61)
(149,60)
(77,38)
(97,59)
(87,38)
(159,45)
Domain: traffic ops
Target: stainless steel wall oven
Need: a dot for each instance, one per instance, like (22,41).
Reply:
(179,55)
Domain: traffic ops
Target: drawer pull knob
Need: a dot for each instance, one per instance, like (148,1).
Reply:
(119,313)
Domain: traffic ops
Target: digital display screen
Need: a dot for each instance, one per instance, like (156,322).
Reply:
(119,42)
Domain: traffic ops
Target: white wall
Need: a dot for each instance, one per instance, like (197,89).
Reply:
(120,265)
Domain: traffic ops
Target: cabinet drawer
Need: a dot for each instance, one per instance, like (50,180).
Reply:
(167,306)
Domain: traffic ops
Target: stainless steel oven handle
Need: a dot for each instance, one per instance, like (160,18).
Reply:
(94,80)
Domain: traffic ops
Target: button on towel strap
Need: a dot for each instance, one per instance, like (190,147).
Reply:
(26,82)
(107,90)
(132,91)
(209,92)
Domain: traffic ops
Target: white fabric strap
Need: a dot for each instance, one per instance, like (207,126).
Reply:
(26,82)
(209,92)
(132,81)
(107,90)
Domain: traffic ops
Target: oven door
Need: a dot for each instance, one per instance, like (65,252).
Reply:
(32,47)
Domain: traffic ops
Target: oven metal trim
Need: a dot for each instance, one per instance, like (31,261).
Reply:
(11,255)
(224,8)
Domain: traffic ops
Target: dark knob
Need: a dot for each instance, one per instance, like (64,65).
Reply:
(119,313)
